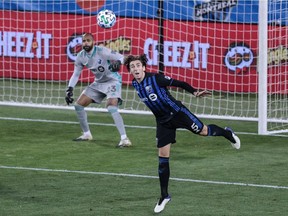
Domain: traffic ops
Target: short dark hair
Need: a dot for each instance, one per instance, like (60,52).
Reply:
(87,34)
(142,58)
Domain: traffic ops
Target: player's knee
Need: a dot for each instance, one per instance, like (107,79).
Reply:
(84,100)
(163,166)
(113,102)
(204,131)
(112,109)
(78,107)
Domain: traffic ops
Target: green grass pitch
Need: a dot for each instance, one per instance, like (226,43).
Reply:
(43,172)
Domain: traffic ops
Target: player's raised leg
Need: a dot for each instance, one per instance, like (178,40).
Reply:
(237,143)
(198,127)
(228,133)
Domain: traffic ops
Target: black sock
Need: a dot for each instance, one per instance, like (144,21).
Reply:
(214,130)
(164,174)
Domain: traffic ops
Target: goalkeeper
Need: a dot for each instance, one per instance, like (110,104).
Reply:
(104,64)
(170,114)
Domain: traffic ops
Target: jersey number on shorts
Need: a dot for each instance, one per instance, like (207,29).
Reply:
(195,128)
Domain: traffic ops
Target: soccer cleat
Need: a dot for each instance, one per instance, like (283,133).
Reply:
(161,204)
(237,143)
(84,137)
(125,143)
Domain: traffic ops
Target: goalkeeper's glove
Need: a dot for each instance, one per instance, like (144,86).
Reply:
(69,95)
(115,66)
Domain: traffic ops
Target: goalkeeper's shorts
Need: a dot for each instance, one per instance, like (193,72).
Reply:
(98,91)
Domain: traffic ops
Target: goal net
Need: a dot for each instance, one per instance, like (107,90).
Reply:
(277,68)
(210,44)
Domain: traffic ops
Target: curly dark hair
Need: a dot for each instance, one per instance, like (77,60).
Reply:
(142,58)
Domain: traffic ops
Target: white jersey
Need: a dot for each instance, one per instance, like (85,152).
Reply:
(98,61)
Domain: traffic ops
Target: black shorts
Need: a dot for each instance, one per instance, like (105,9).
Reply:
(166,132)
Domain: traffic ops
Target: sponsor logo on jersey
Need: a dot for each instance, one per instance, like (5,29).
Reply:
(101,69)
(153,97)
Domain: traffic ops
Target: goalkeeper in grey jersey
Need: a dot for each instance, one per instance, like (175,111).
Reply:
(104,64)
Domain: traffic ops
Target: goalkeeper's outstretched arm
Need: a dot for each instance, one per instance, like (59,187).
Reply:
(72,83)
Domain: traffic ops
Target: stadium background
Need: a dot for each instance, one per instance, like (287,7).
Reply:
(54,40)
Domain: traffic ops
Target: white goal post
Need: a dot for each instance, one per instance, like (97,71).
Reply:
(237,49)
(272,67)
(262,66)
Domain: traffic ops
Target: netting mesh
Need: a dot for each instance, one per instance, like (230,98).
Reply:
(210,44)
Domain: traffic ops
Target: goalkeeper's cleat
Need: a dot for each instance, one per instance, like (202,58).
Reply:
(84,137)
(237,143)
(124,143)
(161,204)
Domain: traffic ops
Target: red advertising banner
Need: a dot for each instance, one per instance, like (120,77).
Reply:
(214,56)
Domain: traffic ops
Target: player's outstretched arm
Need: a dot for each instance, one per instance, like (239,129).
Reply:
(189,88)
(201,93)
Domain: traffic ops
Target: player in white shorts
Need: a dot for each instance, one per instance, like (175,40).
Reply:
(104,64)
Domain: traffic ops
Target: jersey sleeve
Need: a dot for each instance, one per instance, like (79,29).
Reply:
(168,81)
(111,55)
(163,80)
(78,67)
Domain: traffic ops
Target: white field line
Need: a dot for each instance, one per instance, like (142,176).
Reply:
(70,122)
(105,124)
(122,174)
(143,176)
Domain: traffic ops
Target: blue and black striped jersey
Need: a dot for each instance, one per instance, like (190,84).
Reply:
(153,91)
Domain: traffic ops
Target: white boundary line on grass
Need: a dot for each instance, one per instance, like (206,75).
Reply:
(70,122)
(122,174)
(144,176)
(105,124)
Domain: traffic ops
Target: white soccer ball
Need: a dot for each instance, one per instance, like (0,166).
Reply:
(106,18)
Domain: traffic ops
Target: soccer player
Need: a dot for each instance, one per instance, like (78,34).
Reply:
(170,114)
(104,64)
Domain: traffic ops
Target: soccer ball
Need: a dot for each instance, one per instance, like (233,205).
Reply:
(106,19)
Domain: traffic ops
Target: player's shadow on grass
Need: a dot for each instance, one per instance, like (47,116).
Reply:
(104,142)
(182,157)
